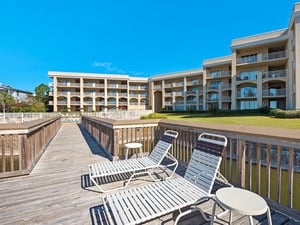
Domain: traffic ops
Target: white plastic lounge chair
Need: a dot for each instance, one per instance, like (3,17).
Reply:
(140,204)
(137,166)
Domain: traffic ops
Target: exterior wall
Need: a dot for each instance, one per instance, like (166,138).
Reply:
(98,92)
(262,71)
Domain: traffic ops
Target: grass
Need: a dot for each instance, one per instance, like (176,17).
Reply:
(265,121)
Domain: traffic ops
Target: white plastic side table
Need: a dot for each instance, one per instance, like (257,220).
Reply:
(133,146)
(241,201)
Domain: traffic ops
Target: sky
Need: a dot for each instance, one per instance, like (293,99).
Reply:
(140,38)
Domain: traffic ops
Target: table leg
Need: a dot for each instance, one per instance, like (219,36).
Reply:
(251,220)
(126,153)
(230,216)
(269,216)
(141,152)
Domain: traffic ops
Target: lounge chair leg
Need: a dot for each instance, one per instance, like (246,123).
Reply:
(190,211)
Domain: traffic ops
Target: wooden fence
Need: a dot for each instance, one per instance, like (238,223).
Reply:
(21,145)
(264,160)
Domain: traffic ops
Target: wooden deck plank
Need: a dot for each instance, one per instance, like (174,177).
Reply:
(58,190)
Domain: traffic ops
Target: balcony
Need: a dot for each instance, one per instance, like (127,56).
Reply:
(73,93)
(179,84)
(62,102)
(88,102)
(168,94)
(90,94)
(274,74)
(99,94)
(123,94)
(75,102)
(212,99)
(100,102)
(190,102)
(225,86)
(246,94)
(218,74)
(133,95)
(212,88)
(168,103)
(157,87)
(179,102)
(169,85)
(123,103)
(194,82)
(274,92)
(62,93)
(112,94)
(255,58)
(191,92)
(226,98)
(178,93)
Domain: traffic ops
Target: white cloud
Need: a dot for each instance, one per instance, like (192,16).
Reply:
(112,69)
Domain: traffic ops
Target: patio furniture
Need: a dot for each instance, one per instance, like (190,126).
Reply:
(140,204)
(241,201)
(133,146)
(136,166)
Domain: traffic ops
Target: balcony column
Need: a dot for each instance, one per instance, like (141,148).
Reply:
(128,94)
(163,93)
(204,89)
(94,101)
(297,66)
(54,94)
(233,80)
(105,94)
(81,95)
(220,97)
(117,100)
(151,96)
(184,94)
(259,90)
(69,101)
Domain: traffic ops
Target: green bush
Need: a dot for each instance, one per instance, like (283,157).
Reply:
(153,116)
(279,113)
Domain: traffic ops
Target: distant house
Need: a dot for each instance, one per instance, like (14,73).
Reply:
(19,95)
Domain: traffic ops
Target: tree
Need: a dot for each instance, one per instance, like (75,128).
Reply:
(41,96)
(6,100)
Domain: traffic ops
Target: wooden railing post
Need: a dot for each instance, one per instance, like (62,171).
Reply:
(115,147)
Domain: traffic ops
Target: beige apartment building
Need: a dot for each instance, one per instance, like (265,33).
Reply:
(262,71)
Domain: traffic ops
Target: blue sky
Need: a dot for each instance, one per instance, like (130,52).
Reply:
(137,37)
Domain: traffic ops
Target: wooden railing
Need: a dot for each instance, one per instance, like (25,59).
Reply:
(112,135)
(21,145)
(263,160)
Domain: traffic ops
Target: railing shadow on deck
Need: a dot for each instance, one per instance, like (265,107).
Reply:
(95,148)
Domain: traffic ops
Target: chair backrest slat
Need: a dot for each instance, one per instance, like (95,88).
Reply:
(163,146)
(205,161)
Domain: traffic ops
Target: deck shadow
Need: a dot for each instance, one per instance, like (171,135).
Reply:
(95,148)
(98,216)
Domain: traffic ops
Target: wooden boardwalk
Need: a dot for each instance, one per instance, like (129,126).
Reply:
(58,190)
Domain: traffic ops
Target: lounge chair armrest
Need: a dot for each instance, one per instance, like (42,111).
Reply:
(220,178)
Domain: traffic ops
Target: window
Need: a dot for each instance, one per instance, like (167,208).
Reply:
(248,105)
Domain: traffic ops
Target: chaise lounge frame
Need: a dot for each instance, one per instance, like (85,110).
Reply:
(140,204)
(137,166)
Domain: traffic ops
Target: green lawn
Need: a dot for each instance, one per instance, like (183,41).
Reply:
(264,121)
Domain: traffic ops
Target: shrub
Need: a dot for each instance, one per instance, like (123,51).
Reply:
(153,116)
(279,113)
